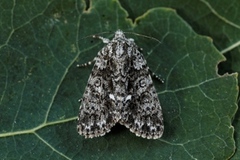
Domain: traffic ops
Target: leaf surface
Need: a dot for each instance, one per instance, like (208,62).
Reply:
(41,43)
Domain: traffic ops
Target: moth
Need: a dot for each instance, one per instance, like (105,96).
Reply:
(120,90)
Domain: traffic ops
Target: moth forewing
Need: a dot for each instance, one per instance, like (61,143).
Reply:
(120,89)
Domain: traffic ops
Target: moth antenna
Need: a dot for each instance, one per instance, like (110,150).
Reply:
(145,36)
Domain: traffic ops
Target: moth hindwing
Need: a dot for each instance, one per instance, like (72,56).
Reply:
(120,89)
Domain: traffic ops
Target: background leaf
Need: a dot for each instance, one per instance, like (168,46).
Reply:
(42,42)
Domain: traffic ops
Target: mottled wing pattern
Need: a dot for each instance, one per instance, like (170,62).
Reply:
(120,89)
(143,113)
(96,113)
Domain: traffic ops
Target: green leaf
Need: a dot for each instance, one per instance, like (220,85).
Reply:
(42,42)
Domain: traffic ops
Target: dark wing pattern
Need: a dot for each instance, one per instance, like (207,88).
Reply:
(97,110)
(120,89)
(142,114)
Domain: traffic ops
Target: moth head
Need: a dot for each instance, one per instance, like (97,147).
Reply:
(119,34)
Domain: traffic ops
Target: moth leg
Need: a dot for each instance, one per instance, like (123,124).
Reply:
(158,77)
(105,40)
(86,64)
